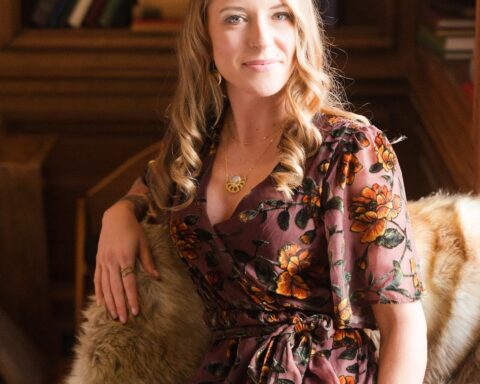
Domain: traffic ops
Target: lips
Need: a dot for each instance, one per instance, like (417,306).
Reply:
(261,62)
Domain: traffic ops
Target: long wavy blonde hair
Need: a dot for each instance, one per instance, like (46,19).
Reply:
(199,103)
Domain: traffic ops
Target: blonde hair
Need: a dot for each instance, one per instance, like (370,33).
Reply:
(198,105)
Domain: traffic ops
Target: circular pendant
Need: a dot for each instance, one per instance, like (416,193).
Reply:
(235,184)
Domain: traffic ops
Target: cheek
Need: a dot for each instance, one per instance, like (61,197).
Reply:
(225,49)
(290,43)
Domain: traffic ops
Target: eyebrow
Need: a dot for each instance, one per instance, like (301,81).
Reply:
(243,9)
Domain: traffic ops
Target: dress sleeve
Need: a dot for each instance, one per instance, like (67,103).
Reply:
(371,250)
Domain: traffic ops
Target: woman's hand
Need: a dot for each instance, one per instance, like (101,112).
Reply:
(121,240)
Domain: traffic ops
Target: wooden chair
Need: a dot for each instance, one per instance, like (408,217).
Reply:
(90,209)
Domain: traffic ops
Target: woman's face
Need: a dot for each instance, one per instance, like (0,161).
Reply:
(253,44)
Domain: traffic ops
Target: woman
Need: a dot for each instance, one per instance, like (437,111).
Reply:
(289,210)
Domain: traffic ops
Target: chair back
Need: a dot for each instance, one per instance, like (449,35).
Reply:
(90,209)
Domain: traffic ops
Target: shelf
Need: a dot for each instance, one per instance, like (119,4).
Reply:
(36,39)
(91,39)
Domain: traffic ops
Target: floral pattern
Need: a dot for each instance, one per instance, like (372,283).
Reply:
(288,284)
(371,210)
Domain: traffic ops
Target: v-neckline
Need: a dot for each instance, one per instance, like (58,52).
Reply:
(202,191)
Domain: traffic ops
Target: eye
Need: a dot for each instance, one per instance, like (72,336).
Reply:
(283,16)
(234,19)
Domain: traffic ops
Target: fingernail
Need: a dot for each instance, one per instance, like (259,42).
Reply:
(114,315)
(122,319)
(135,311)
(157,275)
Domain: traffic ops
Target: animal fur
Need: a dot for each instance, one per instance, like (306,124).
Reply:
(163,344)
(166,342)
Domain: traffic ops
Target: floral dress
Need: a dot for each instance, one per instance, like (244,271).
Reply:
(287,285)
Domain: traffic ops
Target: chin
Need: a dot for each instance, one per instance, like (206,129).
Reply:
(267,91)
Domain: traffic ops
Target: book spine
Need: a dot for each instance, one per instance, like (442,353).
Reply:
(439,20)
(459,8)
(108,14)
(79,12)
(54,18)
(94,13)
(448,43)
(42,12)
(123,16)
(63,21)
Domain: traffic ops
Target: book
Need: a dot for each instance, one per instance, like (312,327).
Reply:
(94,13)
(42,12)
(454,32)
(123,16)
(109,12)
(78,13)
(464,8)
(442,20)
(170,9)
(67,11)
(446,43)
(57,17)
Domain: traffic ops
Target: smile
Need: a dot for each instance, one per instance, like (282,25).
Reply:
(261,65)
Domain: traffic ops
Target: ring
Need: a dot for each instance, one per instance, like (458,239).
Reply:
(126,271)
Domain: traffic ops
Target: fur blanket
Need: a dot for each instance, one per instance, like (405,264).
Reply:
(165,343)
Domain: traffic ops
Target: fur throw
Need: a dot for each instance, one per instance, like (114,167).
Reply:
(165,343)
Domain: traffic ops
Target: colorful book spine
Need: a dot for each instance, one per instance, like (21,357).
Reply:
(79,12)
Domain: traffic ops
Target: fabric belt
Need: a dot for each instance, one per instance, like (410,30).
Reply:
(288,337)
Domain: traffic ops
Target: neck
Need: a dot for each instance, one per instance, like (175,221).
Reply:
(252,119)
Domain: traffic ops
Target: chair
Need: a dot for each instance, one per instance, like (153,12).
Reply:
(165,343)
(90,209)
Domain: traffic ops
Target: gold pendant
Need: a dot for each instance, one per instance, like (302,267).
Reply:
(235,184)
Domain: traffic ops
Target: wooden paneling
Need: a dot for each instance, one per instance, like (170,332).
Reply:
(24,275)
(447,116)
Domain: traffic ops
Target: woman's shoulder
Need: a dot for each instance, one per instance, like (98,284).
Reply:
(347,143)
(337,126)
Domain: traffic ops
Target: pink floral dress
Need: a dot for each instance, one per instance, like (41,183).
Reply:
(287,285)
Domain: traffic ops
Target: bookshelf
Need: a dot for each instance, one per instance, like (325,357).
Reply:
(450,118)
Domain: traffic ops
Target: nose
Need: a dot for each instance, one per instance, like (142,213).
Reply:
(260,33)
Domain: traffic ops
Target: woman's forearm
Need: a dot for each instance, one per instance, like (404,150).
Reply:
(403,355)
(138,198)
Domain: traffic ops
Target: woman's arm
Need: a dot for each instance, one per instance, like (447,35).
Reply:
(121,240)
(403,343)
(138,197)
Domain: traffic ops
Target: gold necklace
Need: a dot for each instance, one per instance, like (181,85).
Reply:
(251,143)
(236,183)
